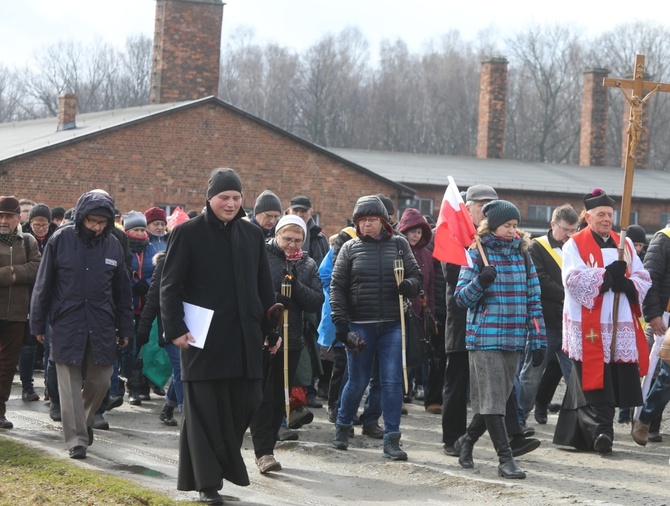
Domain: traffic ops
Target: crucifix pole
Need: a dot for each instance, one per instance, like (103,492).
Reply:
(635,99)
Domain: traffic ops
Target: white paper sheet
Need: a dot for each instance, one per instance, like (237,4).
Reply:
(198,320)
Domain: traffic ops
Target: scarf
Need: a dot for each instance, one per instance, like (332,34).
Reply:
(138,244)
(292,257)
(9,239)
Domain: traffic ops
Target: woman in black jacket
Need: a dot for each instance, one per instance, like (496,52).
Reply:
(287,261)
(365,307)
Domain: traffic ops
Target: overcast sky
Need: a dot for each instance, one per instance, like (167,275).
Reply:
(29,25)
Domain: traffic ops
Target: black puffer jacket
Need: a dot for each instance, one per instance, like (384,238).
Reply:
(657,262)
(306,293)
(363,285)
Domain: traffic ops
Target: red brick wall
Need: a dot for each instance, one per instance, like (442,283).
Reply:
(594,119)
(167,160)
(492,105)
(187,49)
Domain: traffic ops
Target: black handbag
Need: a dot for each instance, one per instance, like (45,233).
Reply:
(415,340)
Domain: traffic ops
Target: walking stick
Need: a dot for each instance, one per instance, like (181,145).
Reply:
(399,271)
(286,291)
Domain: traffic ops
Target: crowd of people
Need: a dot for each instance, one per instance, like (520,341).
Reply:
(289,318)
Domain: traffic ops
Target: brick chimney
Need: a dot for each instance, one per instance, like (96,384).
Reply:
(492,105)
(642,152)
(594,118)
(187,49)
(67,111)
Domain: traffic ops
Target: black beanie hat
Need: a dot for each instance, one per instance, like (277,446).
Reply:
(57,212)
(221,180)
(267,201)
(597,198)
(636,234)
(498,212)
(40,210)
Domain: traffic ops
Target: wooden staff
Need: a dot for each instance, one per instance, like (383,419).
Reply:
(399,271)
(286,292)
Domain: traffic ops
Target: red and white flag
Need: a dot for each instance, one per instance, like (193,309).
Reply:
(455,231)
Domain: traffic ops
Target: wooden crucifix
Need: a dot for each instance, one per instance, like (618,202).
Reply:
(637,85)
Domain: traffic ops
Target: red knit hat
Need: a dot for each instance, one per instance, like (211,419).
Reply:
(154,214)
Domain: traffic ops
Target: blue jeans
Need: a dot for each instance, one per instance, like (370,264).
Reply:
(658,397)
(529,377)
(373,402)
(384,340)
(175,394)
(27,365)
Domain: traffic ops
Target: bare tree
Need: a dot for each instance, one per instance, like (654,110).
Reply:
(11,96)
(133,82)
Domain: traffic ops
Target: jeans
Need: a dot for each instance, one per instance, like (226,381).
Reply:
(372,409)
(382,339)
(658,397)
(175,394)
(27,365)
(529,378)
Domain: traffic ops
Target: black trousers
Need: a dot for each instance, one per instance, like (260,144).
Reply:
(337,377)
(436,370)
(455,396)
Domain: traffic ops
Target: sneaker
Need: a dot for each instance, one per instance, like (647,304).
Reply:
(373,430)
(286,434)
(419,393)
(268,463)
(54,411)
(435,409)
(392,447)
(640,433)
(300,416)
(5,424)
(99,422)
(29,395)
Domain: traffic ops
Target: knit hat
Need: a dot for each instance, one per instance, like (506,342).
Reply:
(388,204)
(155,214)
(40,210)
(267,201)
(636,234)
(291,219)
(301,202)
(597,198)
(498,212)
(221,180)
(480,192)
(10,205)
(57,212)
(134,219)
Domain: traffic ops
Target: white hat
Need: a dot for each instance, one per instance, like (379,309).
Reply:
(292,219)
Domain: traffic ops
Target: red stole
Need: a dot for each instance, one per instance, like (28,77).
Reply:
(593,355)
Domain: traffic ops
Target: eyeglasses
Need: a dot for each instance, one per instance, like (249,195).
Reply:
(39,225)
(568,231)
(102,223)
(369,220)
(283,239)
(273,217)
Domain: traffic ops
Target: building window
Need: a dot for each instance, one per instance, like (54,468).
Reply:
(633,218)
(540,214)
(424,205)
(665,218)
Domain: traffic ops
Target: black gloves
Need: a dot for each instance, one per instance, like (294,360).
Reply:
(538,356)
(617,270)
(285,301)
(627,287)
(141,288)
(487,276)
(352,341)
(404,287)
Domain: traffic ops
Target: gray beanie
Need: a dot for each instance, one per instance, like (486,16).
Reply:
(267,201)
(40,210)
(221,180)
(498,212)
(134,219)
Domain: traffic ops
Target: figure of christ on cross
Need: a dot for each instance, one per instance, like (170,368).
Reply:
(635,120)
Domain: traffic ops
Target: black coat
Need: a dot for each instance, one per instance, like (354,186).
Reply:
(657,262)
(551,284)
(363,285)
(223,267)
(83,288)
(306,294)
(454,333)
(151,309)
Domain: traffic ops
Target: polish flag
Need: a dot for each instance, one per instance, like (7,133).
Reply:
(455,231)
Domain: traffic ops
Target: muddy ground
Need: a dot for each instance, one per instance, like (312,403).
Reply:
(140,447)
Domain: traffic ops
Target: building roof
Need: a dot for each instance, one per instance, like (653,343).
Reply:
(24,138)
(415,169)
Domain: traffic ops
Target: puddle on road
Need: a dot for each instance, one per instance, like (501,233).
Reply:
(144,471)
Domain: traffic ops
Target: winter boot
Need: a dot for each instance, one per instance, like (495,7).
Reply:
(498,433)
(466,442)
(392,447)
(341,441)
(167,417)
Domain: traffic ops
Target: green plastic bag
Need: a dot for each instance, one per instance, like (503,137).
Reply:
(157,367)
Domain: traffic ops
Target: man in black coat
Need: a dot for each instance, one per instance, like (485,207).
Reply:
(217,261)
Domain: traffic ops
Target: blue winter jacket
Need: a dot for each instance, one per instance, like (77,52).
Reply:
(507,313)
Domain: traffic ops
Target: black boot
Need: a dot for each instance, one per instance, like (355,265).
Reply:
(466,442)
(167,417)
(507,468)
(341,440)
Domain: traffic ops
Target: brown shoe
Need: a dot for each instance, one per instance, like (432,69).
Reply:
(435,409)
(640,433)
(268,463)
